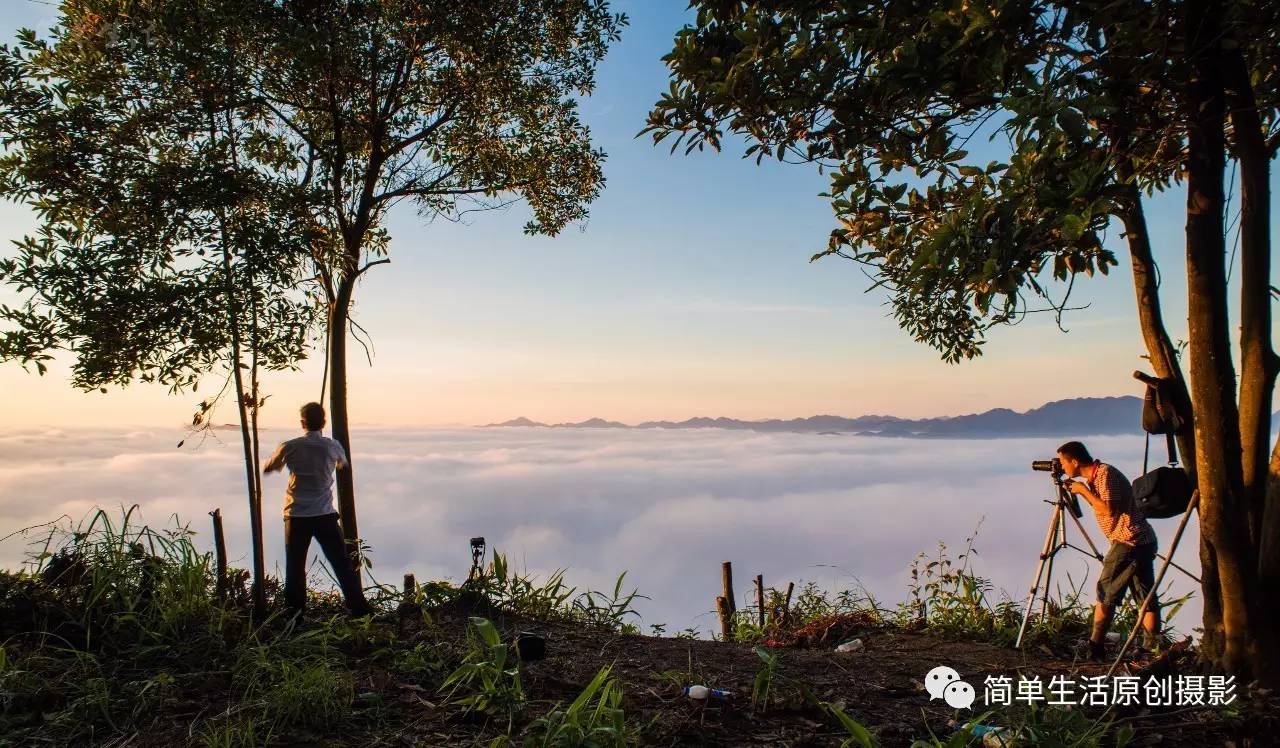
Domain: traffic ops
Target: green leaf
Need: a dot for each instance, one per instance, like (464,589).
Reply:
(1073,227)
(858,735)
(1072,122)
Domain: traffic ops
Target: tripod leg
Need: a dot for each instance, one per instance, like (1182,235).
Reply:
(1164,568)
(1085,534)
(1045,555)
(1059,541)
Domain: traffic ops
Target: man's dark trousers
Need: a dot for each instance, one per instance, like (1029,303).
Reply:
(298,532)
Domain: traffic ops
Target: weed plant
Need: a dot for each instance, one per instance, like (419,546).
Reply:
(551,599)
(946,596)
(762,684)
(488,680)
(595,718)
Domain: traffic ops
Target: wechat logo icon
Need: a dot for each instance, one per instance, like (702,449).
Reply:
(944,683)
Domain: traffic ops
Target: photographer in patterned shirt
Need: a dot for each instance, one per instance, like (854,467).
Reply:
(1131,558)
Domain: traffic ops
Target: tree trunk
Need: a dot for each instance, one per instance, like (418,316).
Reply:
(1228,566)
(339,316)
(1160,349)
(1257,358)
(1146,280)
(255,397)
(246,439)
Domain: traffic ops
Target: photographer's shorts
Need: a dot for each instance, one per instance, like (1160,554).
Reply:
(1126,565)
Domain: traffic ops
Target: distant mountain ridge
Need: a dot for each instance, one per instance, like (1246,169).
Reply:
(1081,416)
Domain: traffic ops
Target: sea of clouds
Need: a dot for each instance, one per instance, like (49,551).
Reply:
(665,506)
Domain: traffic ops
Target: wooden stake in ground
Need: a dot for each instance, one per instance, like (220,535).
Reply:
(731,605)
(219,553)
(726,579)
(408,601)
(726,618)
(760,599)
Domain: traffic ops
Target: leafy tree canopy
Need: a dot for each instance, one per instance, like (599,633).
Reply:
(454,106)
(888,95)
(161,209)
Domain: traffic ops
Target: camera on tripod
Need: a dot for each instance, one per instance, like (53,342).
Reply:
(1053,466)
(1054,469)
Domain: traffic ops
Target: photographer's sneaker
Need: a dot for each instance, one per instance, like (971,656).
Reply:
(1090,651)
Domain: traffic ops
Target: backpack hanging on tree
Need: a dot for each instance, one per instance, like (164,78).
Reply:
(1165,491)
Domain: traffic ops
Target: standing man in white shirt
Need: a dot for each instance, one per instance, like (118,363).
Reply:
(309,512)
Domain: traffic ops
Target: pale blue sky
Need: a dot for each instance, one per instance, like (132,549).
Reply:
(689,292)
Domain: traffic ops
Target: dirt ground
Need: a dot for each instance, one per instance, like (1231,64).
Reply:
(882,687)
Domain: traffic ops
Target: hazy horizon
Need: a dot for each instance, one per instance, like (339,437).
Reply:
(281,419)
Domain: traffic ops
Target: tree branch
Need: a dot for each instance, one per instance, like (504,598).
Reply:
(361,271)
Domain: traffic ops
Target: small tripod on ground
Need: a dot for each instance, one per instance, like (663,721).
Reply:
(477,558)
(1054,541)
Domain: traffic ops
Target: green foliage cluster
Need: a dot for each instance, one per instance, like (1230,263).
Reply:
(115,624)
(550,599)
(169,229)
(118,583)
(946,596)
(98,630)
(488,680)
(300,680)
(594,719)
(115,621)
(977,151)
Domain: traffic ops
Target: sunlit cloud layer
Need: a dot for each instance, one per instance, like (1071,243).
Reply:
(667,507)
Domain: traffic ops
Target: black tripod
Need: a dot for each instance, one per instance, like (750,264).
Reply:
(1054,541)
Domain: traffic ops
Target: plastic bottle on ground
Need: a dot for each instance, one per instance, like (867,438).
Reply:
(1001,737)
(701,693)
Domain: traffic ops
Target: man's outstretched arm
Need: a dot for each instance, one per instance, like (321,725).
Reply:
(338,453)
(276,462)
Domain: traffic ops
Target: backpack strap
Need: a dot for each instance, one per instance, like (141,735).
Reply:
(1146,452)
(1173,447)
